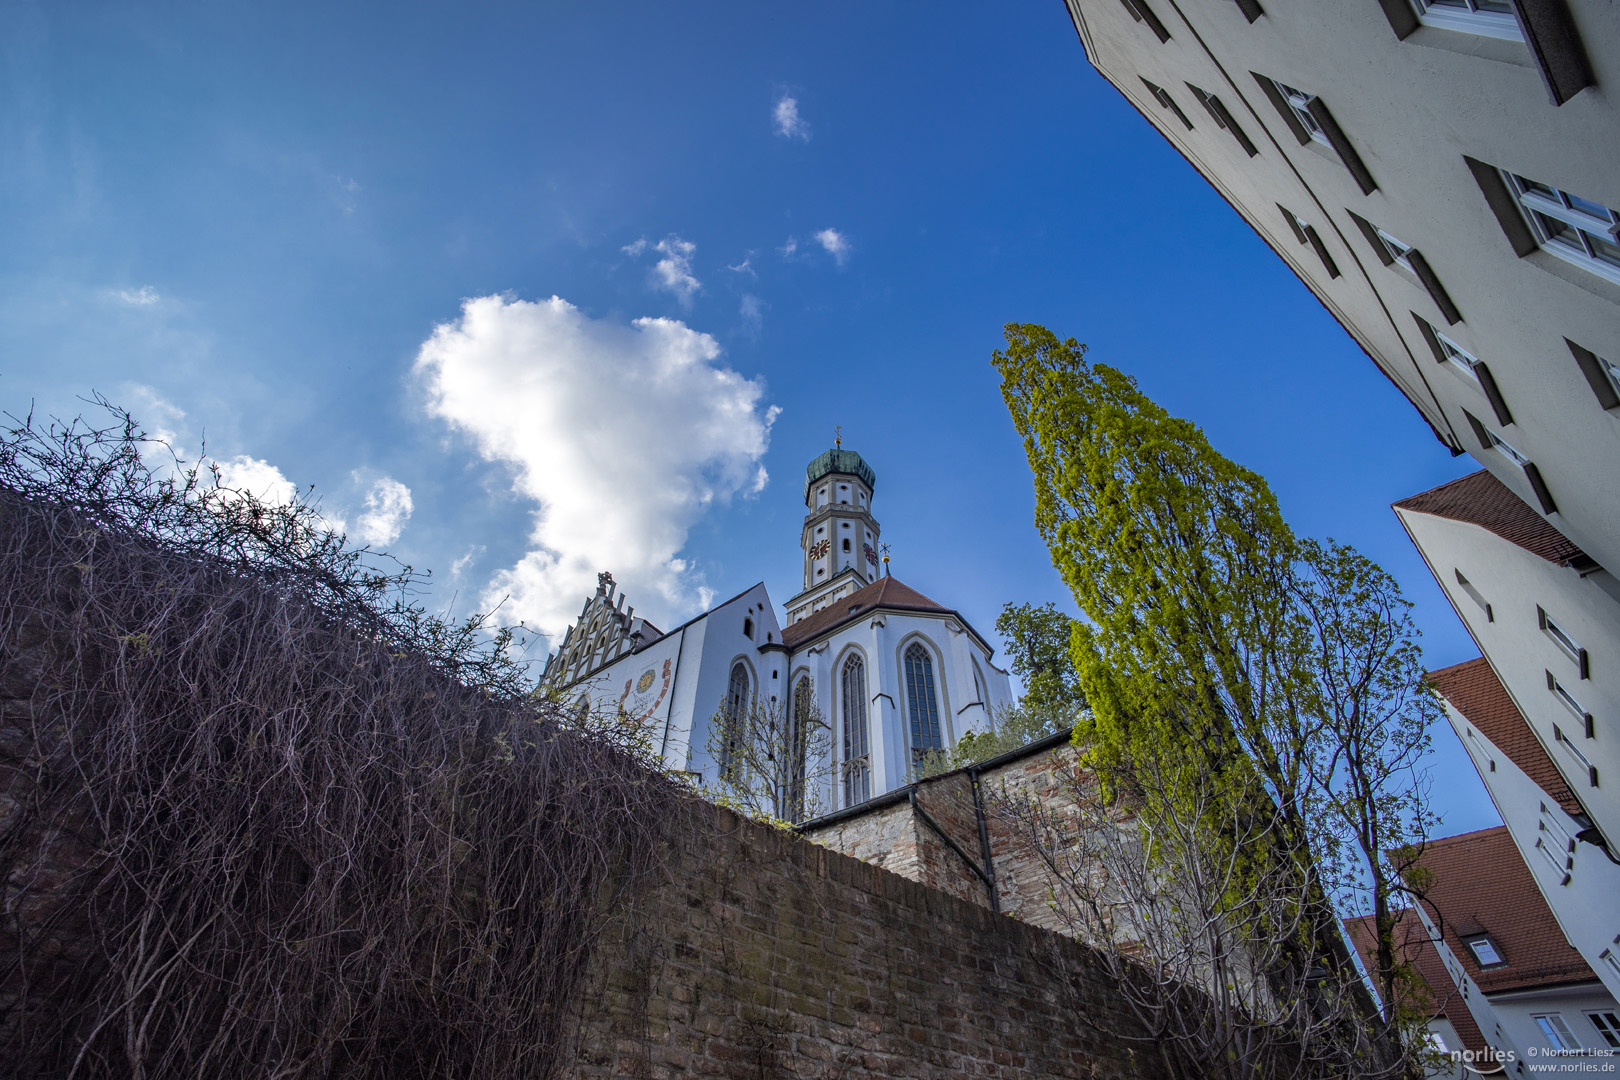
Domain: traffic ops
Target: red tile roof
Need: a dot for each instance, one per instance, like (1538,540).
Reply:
(1412,944)
(1482,885)
(885,592)
(1481,499)
(1474,690)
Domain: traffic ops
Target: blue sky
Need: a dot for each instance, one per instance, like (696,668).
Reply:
(258,225)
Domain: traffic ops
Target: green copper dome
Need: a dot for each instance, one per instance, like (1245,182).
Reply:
(839,461)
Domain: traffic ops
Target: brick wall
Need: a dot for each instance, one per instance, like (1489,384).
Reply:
(764,955)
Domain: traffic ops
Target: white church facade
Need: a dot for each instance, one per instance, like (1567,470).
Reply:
(893,673)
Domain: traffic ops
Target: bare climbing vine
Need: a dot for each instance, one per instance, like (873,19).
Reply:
(261,813)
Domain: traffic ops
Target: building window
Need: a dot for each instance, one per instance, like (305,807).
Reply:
(1577,230)
(1562,638)
(846,543)
(1397,250)
(1608,1026)
(798,744)
(1299,103)
(1489,18)
(736,714)
(857,747)
(1459,357)
(1485,951)
(1223,117)
(921,703)
(1306,233)
(1557,1031)
(1610,957)
(1162,96)
(1575,752)
(1506,449)
(1474,595)
(748,629)
(978,687)
(1567,699)
(1554,843)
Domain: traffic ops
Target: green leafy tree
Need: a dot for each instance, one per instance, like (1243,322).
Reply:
(1037,640)
(1212,635)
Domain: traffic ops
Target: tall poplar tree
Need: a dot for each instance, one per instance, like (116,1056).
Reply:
(1212,635)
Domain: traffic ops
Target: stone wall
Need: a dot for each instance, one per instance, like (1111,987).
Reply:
(894,834)
(765,955)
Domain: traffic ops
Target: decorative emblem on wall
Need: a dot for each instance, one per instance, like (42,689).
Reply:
(641,686)
(820,548)
(871,556)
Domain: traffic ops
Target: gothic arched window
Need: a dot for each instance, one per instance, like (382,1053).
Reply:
(798,737)
(857,766)
(978,685)
(736,712)
(748,628)
(921,703)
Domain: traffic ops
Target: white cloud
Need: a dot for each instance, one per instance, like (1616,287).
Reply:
(257,477)
(388,508)
(835,243)
(674,271)
(788,249)
(745,267)
(752,310)
(624,436)
(789,123)
(145,296)
(459,566)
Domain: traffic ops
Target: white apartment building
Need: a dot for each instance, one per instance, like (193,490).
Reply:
(1443,175)
(1507,991)
(1542,814)
(1547,620)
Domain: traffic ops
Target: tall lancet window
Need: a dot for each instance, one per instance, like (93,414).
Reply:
(857,752)
(798,733)
(921,703)
(736,711)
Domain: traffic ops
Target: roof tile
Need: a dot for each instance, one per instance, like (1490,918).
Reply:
(1481,499)
(1475,691)
(885,592)
(1481,884)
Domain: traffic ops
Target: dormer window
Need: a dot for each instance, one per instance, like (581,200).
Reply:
(1486,952)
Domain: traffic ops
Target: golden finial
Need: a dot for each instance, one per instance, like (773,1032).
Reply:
(885,549)
(838,436)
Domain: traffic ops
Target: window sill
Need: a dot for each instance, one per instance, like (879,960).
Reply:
(1581,278)
(1481,46)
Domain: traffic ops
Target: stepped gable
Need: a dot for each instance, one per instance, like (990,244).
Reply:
(886,592)
(1412,943)
(1482,886)
(1481,499)
(1475,691)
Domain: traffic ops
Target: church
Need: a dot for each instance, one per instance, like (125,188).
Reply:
(892,673)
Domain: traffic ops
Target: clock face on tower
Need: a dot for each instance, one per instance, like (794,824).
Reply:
(820,548)
(871,556)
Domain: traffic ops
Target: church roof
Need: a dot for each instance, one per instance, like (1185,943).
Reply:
(839,460)
(1481,499)
(885,592)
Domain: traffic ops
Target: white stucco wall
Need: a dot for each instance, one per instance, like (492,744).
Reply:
(1413,109)
(1514,582)
(1582,886)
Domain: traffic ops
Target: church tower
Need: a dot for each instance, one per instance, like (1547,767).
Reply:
(840,536)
